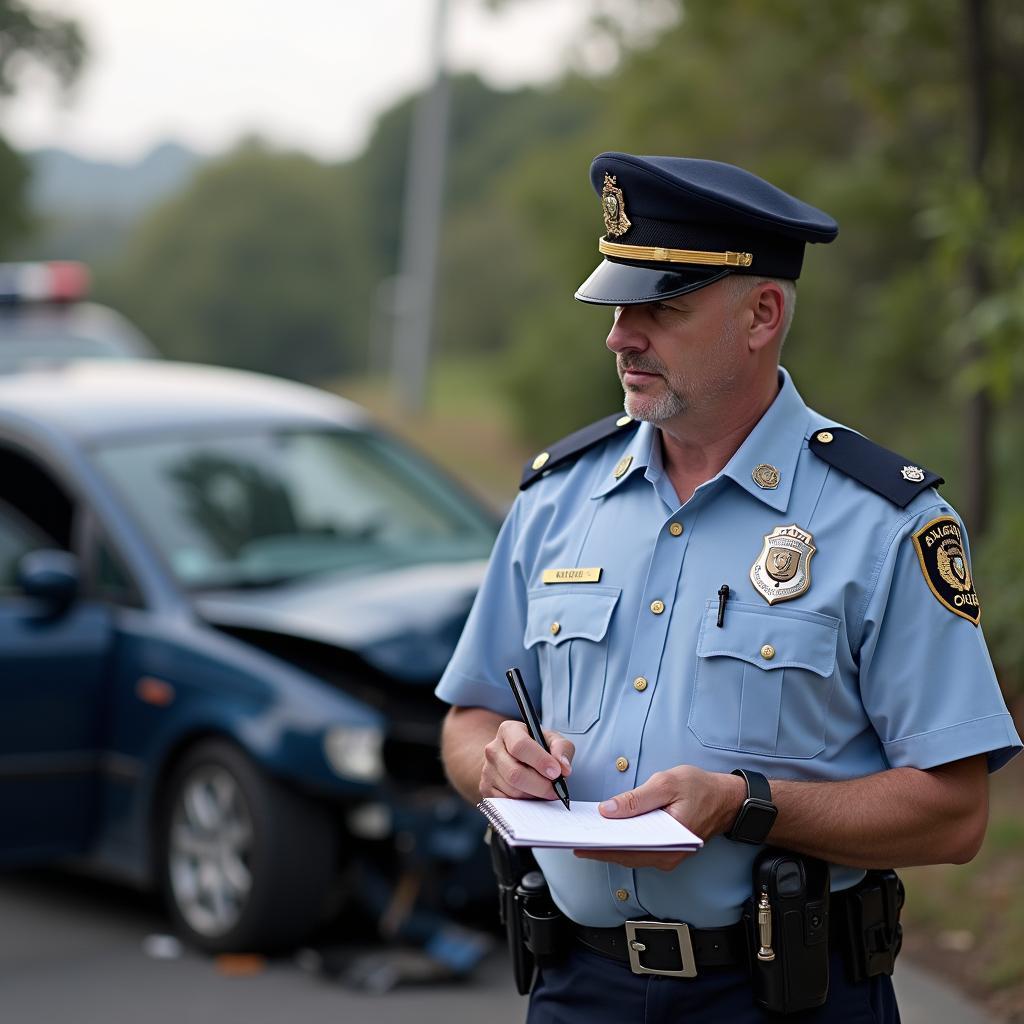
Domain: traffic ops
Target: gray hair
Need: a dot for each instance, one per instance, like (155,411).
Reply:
(742,284)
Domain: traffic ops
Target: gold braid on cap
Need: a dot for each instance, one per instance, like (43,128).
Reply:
(659,254)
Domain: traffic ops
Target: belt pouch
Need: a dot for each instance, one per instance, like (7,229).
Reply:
(511,865)
(873,931)
(787,929)
(544,926)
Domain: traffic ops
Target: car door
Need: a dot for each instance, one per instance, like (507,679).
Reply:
(53,669)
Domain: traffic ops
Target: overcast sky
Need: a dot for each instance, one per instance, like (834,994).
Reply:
(306,73)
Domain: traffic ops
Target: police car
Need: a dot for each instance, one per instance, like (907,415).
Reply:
(225,600)
(46,319)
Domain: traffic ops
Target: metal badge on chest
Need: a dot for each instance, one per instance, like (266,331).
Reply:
(783,569)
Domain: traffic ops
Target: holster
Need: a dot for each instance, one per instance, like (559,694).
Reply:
(536,929)
(872,932)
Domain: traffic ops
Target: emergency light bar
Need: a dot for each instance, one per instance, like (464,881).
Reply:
(56,281)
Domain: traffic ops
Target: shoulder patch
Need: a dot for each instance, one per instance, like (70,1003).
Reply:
(574,445)
(877,468)
(943,558)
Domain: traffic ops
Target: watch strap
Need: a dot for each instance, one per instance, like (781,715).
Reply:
(757,785)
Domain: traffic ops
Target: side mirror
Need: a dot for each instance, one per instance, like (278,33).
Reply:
(51,577)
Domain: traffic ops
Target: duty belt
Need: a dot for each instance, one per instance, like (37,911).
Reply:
(675,949)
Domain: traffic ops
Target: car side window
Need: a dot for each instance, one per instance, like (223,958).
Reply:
(31,493)
(26,487)
(17,538)
(111,581)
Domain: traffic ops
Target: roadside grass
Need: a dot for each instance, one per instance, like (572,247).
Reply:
(467,426)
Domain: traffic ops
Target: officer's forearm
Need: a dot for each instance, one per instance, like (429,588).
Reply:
(465,733)
(892,819)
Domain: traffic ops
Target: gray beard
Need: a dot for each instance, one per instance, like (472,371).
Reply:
(654,410)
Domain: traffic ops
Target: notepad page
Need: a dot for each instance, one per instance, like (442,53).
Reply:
(548,823)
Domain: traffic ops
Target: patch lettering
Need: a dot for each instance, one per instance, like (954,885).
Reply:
(573,575)
(943,557)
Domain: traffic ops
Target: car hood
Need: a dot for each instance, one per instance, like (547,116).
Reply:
(404,622)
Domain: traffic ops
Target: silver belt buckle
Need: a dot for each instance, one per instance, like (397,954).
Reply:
(635,946)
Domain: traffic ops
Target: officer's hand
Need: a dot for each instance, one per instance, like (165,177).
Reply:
(705,802)
(516,766)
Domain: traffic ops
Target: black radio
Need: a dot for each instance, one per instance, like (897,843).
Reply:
(787,926)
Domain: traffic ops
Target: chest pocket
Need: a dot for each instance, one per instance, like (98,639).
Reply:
(569,627)
(764,680)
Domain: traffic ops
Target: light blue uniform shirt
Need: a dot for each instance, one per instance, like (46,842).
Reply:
(869,670)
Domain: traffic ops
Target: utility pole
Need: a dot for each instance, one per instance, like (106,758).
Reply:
(416,292)
(978,424)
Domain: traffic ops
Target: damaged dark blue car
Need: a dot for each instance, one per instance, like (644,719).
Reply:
(225,600)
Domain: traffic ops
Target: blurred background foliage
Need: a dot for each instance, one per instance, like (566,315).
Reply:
(277,262)
(29,39)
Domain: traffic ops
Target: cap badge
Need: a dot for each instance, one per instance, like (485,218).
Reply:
(783,569)
(613,206)
(766,477)
(913,474)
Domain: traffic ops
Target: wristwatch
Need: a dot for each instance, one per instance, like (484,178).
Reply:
(758,813)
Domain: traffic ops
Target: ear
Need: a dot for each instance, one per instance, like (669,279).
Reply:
(767,309)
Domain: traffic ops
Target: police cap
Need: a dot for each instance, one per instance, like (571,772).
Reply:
(673,225)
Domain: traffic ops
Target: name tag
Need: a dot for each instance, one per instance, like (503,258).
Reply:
(572,575)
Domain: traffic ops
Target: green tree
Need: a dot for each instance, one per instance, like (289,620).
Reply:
(29,36)
(259,263)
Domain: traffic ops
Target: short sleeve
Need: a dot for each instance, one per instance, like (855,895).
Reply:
(926,678)
(492,640)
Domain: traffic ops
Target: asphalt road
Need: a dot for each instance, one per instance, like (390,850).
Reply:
(75,950)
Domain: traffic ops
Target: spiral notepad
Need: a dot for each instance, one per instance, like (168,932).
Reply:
(547,823)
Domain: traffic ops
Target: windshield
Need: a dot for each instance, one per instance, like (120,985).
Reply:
(259,509)
(17,351)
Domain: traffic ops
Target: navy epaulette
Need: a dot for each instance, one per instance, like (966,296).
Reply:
(574,445)
(883,471)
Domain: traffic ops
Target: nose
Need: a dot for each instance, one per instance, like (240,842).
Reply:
(626,333)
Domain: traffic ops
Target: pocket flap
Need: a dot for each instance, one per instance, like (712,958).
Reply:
(562,613)
(797,638)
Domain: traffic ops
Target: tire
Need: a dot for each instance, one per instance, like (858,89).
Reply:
(245,863)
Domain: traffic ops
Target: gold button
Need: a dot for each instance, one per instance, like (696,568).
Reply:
(621,763)
(767,652)
(676,529)
(541,459)
(657,607)
(623,420)
(622,895)
(640,684)
(825,436)
(556,628)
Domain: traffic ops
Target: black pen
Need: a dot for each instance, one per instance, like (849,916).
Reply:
(532,722)
(723,596)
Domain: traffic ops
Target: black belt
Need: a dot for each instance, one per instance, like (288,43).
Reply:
(674,948)
(667,947)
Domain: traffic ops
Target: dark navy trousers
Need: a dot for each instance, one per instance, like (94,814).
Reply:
(588,988)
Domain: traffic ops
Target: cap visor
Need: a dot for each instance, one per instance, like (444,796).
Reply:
(622,284)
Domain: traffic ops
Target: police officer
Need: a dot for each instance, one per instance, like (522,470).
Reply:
(728,606)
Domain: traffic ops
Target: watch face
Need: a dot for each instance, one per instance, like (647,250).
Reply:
(756,821)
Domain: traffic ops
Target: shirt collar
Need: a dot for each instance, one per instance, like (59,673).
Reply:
(775,443)
(643,452)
